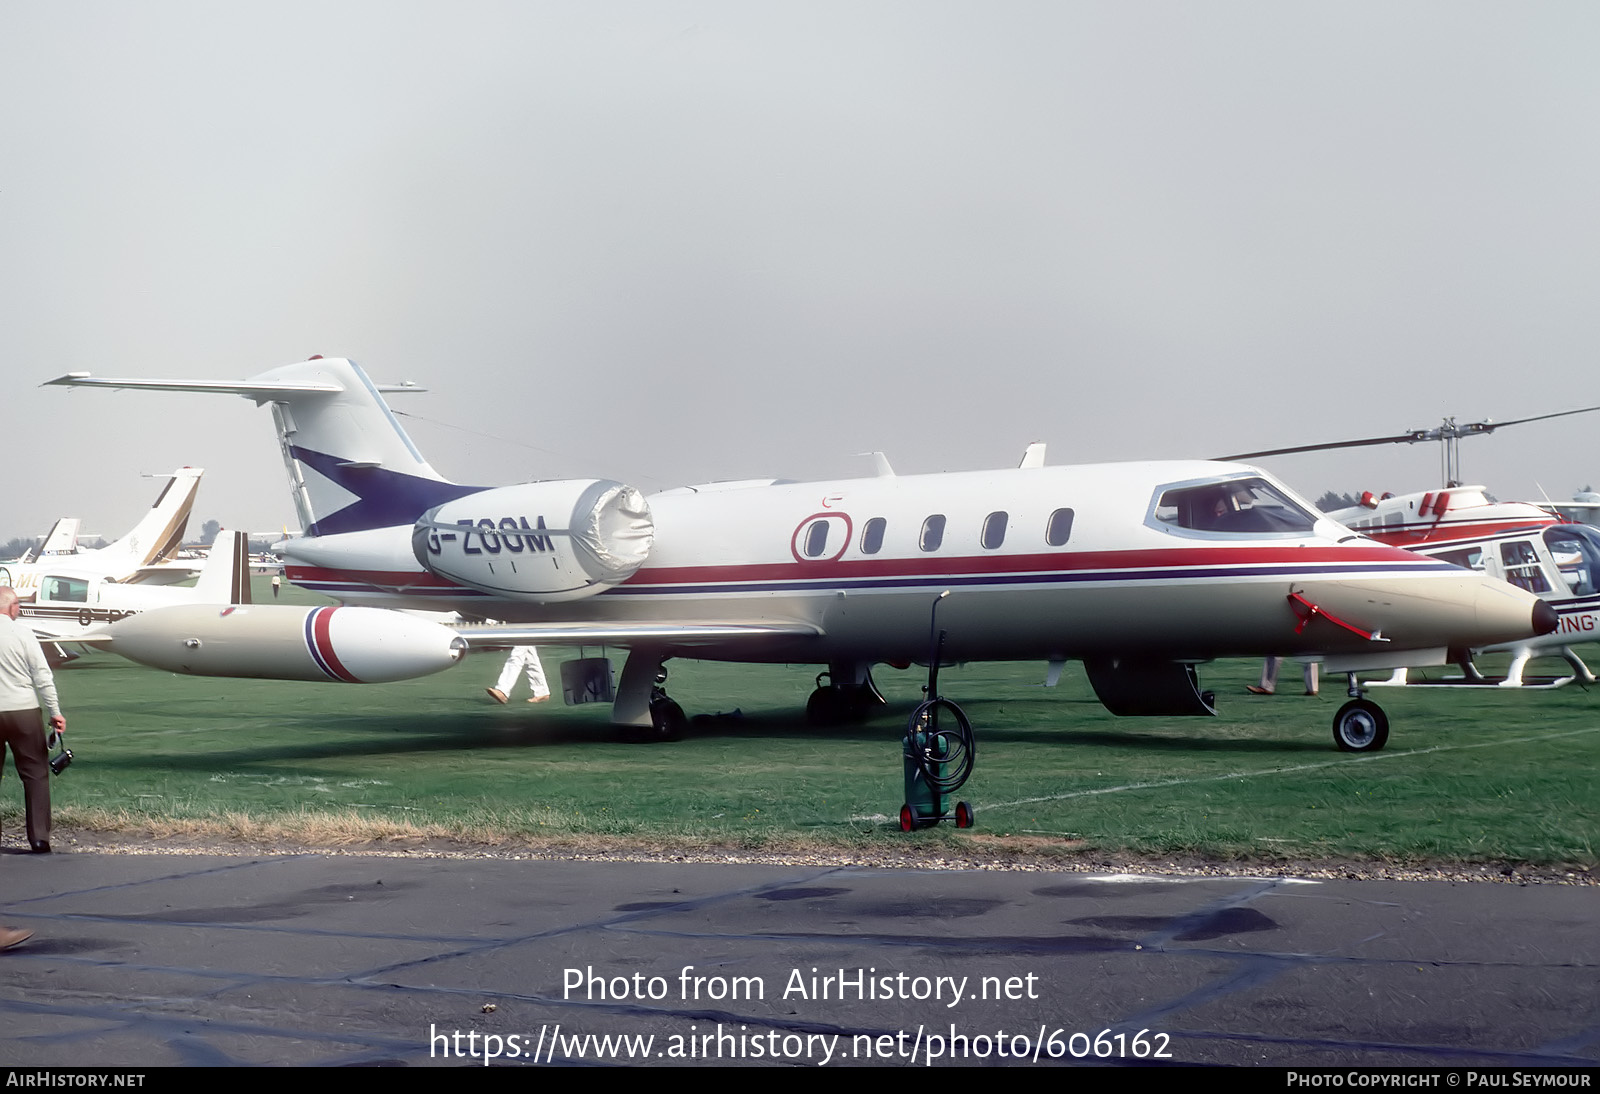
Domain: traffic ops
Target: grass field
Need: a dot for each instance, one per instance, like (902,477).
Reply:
(1468,777)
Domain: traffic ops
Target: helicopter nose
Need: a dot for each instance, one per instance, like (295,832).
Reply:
(1545,618)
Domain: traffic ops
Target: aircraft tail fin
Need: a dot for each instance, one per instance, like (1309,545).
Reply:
(160,532)
(225,578)
(351,467)
(62,539)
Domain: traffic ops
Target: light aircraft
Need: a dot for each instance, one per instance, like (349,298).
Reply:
(1140,570)
(70,604)
(139,556)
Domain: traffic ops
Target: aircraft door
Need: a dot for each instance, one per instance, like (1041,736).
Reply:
(1524,568)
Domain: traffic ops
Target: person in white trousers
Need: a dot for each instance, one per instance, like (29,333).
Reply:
(524,659)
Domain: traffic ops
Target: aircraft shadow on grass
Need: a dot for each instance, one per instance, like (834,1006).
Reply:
(448,731)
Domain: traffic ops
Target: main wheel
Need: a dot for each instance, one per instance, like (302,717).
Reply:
(827,707)
(667,721)
(1360,726)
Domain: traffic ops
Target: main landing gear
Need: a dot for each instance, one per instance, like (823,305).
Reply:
(848,696)
(641,706)
(667,720)
(1361,725)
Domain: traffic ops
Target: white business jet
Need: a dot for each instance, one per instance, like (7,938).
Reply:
(1140,570)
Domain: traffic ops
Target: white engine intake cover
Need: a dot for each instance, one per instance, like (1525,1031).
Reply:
(540,541)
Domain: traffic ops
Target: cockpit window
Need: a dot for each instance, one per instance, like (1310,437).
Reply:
(1241,506)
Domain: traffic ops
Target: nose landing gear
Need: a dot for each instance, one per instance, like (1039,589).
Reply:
(1361,725)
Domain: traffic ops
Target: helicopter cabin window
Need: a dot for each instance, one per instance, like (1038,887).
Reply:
(932,533)
(1522,566)
(1576,550)
(1237,506)
(1059,529)
(994,529)
(872,536)
(66,590)
(816,539)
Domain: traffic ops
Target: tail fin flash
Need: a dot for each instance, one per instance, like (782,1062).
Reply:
(225,578)
(351,467)
(160,532)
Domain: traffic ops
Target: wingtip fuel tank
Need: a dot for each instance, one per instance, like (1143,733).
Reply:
(283,642)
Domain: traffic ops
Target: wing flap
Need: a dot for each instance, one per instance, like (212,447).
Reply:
(626,633)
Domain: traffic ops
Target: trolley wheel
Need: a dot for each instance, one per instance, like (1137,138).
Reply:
(908,818)
(964,817)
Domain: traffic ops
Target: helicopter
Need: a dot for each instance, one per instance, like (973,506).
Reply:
(1538,548)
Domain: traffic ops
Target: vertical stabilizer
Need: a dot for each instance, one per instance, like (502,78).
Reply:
(351,467)
(62,539)
(160,532)
(225,578)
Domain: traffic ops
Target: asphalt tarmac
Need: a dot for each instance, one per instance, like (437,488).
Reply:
(326,959)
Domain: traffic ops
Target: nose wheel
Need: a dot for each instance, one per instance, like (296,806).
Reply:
(1360,726)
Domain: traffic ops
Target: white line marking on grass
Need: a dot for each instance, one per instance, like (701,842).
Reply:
(1285,770)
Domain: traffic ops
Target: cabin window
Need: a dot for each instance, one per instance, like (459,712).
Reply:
(872,536)
(66,590)
(994,529)
(816,540)
(1059,529)
(1236,506)
(1522,566)
(932,533)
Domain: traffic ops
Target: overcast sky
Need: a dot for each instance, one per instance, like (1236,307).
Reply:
(672,242)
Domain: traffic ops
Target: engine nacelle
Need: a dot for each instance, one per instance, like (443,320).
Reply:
(540,541)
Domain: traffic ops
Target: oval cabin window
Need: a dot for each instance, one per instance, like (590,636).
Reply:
(1059,530)
(872,536)
(994,529)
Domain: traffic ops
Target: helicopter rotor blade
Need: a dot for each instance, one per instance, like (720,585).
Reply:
(1490,427)
(1404,438)
(1446,432)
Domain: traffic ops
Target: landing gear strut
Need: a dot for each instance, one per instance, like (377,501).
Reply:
(1361,725)
(642,707)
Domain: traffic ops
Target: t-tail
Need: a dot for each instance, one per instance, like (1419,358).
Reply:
(351,466)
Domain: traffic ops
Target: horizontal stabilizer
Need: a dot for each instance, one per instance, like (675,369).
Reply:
(250,389)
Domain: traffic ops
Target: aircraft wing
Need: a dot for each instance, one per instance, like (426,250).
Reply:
(625,633)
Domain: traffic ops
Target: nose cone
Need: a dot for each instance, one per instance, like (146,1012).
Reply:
(1506,613)
(1545,618)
